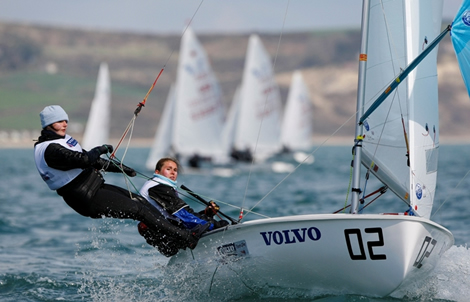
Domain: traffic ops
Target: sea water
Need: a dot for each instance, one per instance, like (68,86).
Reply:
(50,253)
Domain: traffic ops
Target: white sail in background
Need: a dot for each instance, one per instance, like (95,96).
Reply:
(162,144)
(259,120)
(199,112)
(97,127)
(398,32)
(297,128)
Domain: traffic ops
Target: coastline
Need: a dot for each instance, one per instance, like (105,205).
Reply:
(317,141)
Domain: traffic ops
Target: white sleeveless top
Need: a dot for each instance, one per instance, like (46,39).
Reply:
(54,178)
(144,192)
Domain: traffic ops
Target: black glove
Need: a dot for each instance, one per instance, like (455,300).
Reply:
(94,154)
(106,149)
(129,171)
(211,209)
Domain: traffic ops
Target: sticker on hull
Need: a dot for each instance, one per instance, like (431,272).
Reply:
(234,249)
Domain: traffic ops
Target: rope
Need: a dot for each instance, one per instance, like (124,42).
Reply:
(372,201)
(118,163)
(382,190)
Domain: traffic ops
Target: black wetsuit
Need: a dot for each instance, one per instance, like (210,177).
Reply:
(89,196)
(167,197)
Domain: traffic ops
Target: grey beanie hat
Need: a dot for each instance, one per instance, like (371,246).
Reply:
(52,114)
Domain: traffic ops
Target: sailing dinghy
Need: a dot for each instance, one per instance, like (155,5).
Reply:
(97,127)
(297,125)
(355,253)
(253,126)
(192,121)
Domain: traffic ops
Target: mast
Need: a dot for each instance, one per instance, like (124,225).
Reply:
(355,190)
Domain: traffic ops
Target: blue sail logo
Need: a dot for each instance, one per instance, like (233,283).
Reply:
(466,18)
(366,125)
(419,191)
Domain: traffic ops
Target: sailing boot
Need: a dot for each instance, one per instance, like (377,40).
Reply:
(196,233)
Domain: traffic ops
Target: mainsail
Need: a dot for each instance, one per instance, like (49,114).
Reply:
(97,127)
(296,131)
(402,136)
(199,111)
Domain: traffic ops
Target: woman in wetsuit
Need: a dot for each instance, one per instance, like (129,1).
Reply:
(161,192)
(75,174)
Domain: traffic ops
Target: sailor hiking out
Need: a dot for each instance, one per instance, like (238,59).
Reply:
(161,192)
(75,174)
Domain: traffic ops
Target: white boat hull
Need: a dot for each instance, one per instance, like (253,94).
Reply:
(329,253)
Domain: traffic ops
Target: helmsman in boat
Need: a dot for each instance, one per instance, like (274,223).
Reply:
(161,192)
(75,174)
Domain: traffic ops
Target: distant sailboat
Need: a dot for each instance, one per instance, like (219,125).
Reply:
(192,125)
(258,115)
(297,123)
(296,131)
(97,127)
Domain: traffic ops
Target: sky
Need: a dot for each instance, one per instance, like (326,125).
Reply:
(208,16)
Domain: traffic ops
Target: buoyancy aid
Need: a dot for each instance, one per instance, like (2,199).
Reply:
(55,178)
(164,195)
(144,192)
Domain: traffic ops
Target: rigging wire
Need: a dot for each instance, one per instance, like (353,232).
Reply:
(301,163)
(262,119)
(118,163)
(458,184)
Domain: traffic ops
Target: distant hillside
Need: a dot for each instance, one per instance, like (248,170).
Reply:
(41,66)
